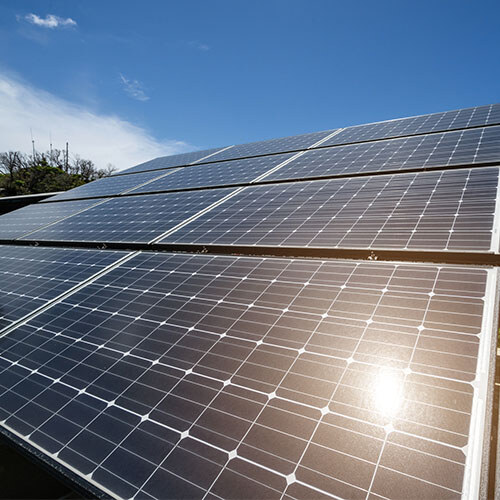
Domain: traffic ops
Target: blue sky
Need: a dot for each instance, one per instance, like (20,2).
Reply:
(156,77)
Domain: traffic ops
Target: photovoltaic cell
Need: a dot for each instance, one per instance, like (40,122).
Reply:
(31,277)
(281,145)
(443,210)
(109,185)
(216,174)
(189,376)
(130,219)
(169,161)
(436,122)
(465,147)
(20,222)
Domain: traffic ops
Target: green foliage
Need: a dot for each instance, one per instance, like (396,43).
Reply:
(21,174)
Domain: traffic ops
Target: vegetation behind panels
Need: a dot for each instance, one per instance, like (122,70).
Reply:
(45,172)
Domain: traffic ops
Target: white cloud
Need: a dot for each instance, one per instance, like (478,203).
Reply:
(101,138)
(200,46)
(134,89)
(51,21)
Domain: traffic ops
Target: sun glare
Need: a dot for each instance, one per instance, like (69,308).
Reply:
(388,394)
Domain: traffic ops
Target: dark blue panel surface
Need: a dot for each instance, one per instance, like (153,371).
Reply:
(281,145)
(30,277)
(465,147)
(216,174)
(108,186)
(437,122)
(130,219)
(445,210)
(20,222)
(170,161)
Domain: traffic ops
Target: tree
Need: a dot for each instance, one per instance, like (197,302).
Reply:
(45,172)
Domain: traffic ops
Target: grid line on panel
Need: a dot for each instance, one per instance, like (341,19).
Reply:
(32,277)
(327,406)
(272,146)
(58,381)
(292,158)
(230,173)
(448,149)
(420,125)
(28,219)
(488,121)
(130,219)
(172,161)
(58,298)
(196,216)
(108,186)
(235,450)
(350,213)
(405,374)
(201,376)
(289,269)
(211,154)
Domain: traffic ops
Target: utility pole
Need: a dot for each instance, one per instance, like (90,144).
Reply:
(32,143)
(50,141)
(66,161)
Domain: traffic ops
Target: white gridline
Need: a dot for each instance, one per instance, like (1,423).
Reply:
(193,424)
(439,150)
(332,213)
(461,118)
(31,289)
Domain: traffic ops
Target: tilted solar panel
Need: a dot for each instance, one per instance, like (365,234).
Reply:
(152,375)
(436,122)
(445,210)
(110,185)
(271,146)
(133,219)
(178,160)
(465,147)
(188,376)
(32,217)
(31,277)
(216,174)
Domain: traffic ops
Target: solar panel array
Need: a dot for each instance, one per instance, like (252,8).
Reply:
(159,374)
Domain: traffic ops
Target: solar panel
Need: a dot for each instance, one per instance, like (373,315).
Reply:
(216,174)
(178,160)
(109,186)
(31,277)
(152,375)
(436,122)
(445,210)
(23,221)
(465,147)
(271,146)
(130,219)
(204,377)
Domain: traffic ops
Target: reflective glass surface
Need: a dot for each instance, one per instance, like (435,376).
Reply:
(424,124)
(445,210)
(216,174)
(30,277)
(465,147)
(32,217)
(134,218)
(182,376)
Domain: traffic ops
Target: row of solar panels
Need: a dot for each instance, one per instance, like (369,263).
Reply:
(439,210)
(469,147)
(153,375)
(425,124)
(172,375)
